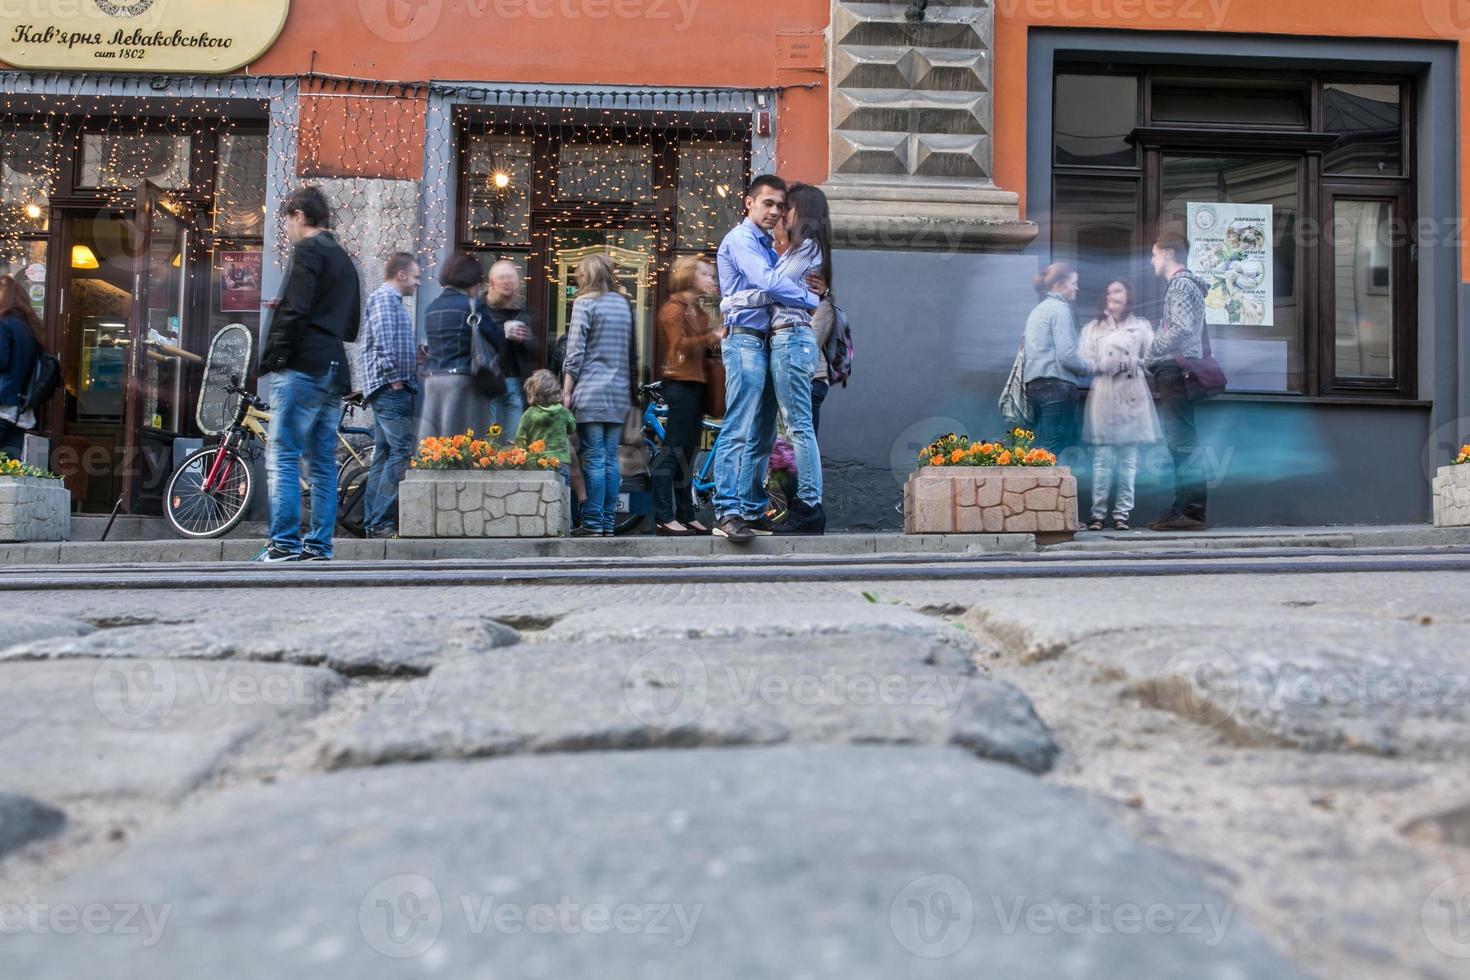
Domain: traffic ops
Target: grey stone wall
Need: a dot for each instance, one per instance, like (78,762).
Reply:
(34,509)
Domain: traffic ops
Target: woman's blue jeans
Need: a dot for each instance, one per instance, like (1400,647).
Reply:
(1055,403)
(600,441)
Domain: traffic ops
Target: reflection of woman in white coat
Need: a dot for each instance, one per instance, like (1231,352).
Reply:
(1120,413)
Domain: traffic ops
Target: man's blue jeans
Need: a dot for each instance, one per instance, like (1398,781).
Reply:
(305,412)
(793,361)
(749,421)
(508,409)
(394,421)
(599,449)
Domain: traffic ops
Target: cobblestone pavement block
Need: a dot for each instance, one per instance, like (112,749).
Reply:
(23,820)
(552,697)
(350,641)
(735,863)
(140,729)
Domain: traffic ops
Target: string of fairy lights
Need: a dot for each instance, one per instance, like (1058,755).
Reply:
(662,171)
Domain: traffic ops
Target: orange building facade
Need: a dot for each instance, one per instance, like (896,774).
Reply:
(967,144)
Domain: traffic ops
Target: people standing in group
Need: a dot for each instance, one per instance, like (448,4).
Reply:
(520,354)
(1181,336)
(1119,416)
(547,421)
(388,378)
(20,339)
(794,353)
(689,345)
(747,261)
(319,312)
(597,387)
(452,402)
(1053,366)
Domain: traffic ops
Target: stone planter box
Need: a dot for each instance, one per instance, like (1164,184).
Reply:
(34,509)
(991,500)
(469,504)
(1452,496)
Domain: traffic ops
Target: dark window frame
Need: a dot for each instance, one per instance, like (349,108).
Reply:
(664,131)
(1318,191)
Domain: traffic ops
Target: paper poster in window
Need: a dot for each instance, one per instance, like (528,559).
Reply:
(1230,248)
(239,287)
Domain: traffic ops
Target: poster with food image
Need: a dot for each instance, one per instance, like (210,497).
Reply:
(1230,248)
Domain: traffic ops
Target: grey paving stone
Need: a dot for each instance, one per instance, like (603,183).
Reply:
(1450,826)
(1385,688)
(556,697)
(793,861)
(351,640)
(648,622)
(23,820)
(151,729)
(25,627)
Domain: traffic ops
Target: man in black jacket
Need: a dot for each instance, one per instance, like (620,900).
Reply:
(319,311)
(521,354)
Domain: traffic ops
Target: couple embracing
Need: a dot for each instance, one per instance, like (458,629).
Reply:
(773,361)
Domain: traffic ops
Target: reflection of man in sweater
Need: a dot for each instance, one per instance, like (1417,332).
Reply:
(1180,335)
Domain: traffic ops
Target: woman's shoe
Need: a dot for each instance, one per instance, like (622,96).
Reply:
(697,527)
(673,529)
(1095,526)
(1121,525)
(582,531)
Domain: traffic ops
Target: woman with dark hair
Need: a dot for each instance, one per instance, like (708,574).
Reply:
(452,403)
(20,338)
(795,356)
(1053,366)
(1120,413)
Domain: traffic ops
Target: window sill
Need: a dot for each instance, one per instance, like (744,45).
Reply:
(1364,401)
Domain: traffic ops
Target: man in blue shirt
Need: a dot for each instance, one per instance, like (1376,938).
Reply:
(747,260)
(388,359)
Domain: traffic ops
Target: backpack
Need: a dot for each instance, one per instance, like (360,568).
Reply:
(45,379)
(1015,404)
(839,349)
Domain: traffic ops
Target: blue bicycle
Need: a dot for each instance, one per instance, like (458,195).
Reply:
(702,481)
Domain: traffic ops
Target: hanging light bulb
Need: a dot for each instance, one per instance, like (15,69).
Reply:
(502,180)
(33,211)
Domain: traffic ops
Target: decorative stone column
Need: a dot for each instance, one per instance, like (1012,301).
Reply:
(911,129)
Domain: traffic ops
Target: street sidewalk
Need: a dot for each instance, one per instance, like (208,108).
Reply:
(1413,537)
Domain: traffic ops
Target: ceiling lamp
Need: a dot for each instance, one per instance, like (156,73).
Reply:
(82,257)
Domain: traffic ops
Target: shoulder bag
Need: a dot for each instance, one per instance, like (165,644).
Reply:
(485,370)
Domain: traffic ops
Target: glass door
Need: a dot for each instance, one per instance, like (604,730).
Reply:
(158,360)
(1365,255)
(633,251)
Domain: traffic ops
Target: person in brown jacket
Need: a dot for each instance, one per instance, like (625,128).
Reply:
(688,344)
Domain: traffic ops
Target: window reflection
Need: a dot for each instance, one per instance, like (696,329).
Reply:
(1368,123)
(1363,288)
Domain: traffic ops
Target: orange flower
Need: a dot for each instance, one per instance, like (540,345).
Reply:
(1004,459)
(957,455)
(937,460)
(539,446)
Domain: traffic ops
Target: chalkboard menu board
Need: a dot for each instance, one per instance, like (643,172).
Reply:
(229,357)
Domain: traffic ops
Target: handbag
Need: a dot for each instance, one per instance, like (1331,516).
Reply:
(1015,404)
(485,370)
(1203,377)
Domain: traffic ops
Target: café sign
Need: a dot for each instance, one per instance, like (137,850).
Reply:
(138,35)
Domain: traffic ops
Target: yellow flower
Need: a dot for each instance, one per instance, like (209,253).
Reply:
(495,431)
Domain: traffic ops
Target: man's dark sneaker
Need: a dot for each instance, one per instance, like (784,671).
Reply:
(386,531)
(308,555)
(271,555)
(734,529)
(1178,522)
(762,526)
(804,518)
(583,531)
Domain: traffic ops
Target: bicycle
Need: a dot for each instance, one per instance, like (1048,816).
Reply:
(209,493)
(702,476)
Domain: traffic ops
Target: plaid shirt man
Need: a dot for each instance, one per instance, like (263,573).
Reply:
(386,352)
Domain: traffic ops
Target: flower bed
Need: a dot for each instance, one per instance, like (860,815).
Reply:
(1452,492)
(34,504)
(463,487)
(965,487)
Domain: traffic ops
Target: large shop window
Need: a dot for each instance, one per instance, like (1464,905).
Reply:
(1295,193)
(544,189)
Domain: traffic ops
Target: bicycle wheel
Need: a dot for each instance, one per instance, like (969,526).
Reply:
(194,512)
(351,498)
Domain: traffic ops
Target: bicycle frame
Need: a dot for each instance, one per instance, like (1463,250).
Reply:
(654,414)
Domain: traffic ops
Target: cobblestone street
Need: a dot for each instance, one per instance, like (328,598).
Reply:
(1218,775)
